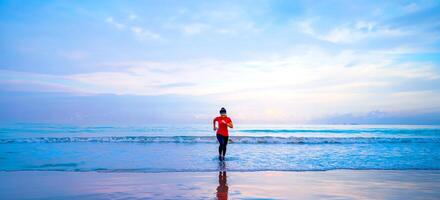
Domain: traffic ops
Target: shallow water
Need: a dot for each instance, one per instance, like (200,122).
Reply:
(194,148)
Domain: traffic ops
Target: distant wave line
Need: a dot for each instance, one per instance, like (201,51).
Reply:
(391,131)
(234,139)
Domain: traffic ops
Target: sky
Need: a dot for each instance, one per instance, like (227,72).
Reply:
(287,62)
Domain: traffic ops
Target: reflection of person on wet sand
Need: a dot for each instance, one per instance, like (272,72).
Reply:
(222,189)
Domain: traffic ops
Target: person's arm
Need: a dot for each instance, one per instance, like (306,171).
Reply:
(230,125)
(213,125)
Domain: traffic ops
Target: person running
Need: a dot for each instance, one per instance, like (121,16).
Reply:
(223,122)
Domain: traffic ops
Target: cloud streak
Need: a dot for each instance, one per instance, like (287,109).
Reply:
(297,82)
(140,32)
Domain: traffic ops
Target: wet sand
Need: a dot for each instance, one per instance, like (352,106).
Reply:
(335,184)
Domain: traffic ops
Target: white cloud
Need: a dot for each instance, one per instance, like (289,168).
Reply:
(411,7)
(226,31)
(305,26)
(140,32)
(351,32)
(76,55)
(143,33)
(194,28)
(306,84)
(365,25)
(361,30)
(228,21)
(132,16)
(115,24)
(302,72)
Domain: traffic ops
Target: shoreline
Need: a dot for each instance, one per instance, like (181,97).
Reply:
(330,184)
(140,171)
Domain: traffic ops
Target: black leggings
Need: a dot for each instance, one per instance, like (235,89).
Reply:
(223,140)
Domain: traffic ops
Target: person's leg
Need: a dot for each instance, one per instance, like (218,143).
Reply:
(220,147)
(225,143)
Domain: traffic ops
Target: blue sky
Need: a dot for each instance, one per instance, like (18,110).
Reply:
(266,61)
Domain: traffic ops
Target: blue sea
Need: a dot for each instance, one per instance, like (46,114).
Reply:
(193,148)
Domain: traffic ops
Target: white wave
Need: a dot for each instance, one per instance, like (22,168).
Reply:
(233,139)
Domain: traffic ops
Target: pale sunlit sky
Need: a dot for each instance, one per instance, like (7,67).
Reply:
(180,61)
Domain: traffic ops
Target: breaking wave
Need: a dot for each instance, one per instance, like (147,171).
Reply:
(233,139)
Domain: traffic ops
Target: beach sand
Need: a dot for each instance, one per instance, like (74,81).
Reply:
(335,184)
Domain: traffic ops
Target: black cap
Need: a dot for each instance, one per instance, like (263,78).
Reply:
(222,111)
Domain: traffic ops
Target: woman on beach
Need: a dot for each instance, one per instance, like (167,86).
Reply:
(223,122)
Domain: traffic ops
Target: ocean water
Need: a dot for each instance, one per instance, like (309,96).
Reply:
(172,148)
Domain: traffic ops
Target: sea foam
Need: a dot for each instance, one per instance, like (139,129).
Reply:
(233,139)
